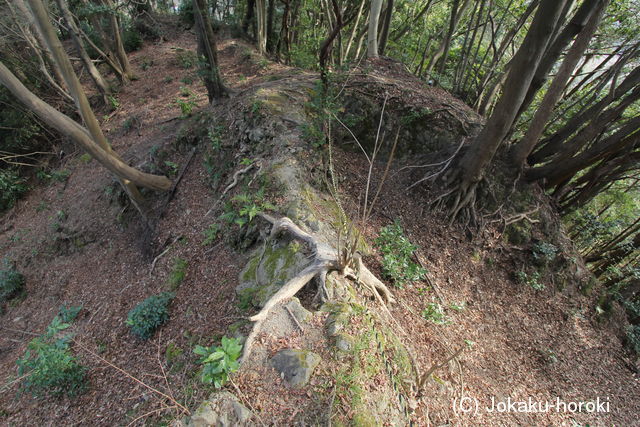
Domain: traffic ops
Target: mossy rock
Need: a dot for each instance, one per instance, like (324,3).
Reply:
(267,271)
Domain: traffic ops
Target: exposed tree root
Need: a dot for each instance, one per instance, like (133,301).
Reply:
(325,260)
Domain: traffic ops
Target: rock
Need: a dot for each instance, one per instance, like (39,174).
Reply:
(295,366)
(268,270)
(344,343)
(299,312)
(221,410)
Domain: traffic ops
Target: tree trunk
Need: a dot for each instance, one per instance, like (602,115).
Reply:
(384,36)
(118,46)
(207,48)
(523,68)
(522,150)
(103,150)
(100,82)
(575,25)
(261,28)
(565,167)
(555,142)
(67,126)
(374,18)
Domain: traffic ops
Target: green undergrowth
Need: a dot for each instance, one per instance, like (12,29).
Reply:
(149,315)
(49,367)
(397,256)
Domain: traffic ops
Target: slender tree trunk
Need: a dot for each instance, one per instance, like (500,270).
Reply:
(575,25)
(384,36)
(100,82)
(271,40)
(565,167)
(522,150)
(374,18)
(261,28)
(207,48)
(118,46)
(555,142)
(67,126)
(354,31)
(397,35)
(248,17)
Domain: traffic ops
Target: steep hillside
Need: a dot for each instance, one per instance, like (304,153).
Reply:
(240,166)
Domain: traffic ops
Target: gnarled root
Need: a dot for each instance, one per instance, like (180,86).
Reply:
(325,260)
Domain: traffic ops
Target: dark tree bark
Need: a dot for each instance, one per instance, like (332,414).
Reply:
(524,147)
(554,143)
(573,27)
(565,167)
(474,162)
(207,49)
(384,35)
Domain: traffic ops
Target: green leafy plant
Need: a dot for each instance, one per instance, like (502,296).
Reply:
(149,315)
(12,187)
(187,80)
(113,102)
(69,314)
(131,40)
(244,207)
(186,105)
(256,107)
(186,58)
(219,362)
(633,337)
(172,166)
(532,280)
(211,234)
(397,252)
(178,273)
(434,312)
(11,281)
(544,253)
(49,367)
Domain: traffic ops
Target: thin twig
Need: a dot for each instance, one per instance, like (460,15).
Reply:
(243,397)
(294,319)
(128,375)
(155,260)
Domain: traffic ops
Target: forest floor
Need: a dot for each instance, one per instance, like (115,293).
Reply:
(77,246)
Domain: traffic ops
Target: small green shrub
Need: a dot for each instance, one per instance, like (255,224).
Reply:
(186,106)
(187,80)
(11,281)
(435,314)
(244,207)
(149,315)
(113,102)
(49,367)
(633,337)
(397,252)
(185,12)
(69,314)
(186,58)
(544,253)
(219,362)
(532,280)
(211,234)
(12,187)
(178,273)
